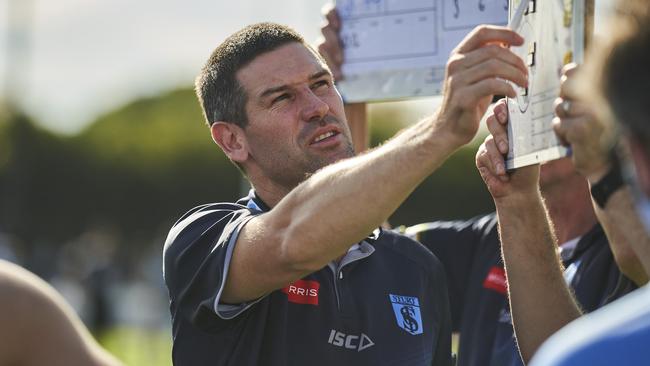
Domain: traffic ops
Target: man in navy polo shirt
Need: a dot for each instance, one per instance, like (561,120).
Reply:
(291,274)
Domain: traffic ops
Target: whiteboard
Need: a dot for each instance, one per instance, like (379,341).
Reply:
(396,49)
(554,33)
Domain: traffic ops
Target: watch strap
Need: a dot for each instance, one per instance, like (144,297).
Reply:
(607,185)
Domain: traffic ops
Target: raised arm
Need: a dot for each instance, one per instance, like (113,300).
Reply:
(341,204)
(540,301)
(576,124)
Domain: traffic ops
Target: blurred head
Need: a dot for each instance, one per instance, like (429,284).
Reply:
(624,66)
(272,106)
(560,174)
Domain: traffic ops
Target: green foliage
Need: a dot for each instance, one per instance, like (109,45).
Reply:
(138,168)
(155,160)
(135,170)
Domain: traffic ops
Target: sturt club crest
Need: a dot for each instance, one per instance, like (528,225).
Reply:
(407,313)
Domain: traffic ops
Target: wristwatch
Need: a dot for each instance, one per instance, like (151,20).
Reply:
(607,185)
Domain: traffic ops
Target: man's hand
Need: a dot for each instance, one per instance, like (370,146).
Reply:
(577,126)
(490,161)
(479,68)
(329,44)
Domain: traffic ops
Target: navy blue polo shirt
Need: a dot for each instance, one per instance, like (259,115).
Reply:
(384,303)
(471,253)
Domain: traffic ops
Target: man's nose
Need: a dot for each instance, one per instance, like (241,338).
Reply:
(314,107)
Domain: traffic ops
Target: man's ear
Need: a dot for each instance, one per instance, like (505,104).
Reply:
(231,139)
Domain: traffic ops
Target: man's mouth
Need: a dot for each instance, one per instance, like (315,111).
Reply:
(324,136)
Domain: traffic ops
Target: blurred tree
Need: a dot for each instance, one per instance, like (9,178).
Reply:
(154,159)
(138,168)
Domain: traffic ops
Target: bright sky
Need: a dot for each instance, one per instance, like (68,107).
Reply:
(89,56)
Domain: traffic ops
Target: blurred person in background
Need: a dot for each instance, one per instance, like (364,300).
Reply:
(471,250)
(39,327)
(277,278)
(618,334)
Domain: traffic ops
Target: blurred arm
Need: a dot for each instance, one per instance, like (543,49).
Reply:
(625,231)
(39,327)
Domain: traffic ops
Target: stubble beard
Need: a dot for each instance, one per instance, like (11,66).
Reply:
(318,163)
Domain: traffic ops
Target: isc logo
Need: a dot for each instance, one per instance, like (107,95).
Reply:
(350,341)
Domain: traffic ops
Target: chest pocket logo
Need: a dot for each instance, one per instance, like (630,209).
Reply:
(407,313)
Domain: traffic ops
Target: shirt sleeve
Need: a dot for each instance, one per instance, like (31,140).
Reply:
(197,255)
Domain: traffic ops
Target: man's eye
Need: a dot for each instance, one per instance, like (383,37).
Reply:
(281,97)
(320,83)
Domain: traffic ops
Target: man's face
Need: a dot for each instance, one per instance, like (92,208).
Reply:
(556,173)
(296,122)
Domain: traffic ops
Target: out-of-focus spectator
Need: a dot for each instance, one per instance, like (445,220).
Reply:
(619,333)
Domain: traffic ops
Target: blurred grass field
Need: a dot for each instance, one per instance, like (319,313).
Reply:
(146,347)
(137,346)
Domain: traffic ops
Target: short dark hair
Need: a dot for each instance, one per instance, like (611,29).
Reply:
(626,72)
(220,94)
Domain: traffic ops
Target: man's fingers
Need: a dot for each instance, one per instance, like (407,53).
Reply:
(330,44)
(487,87)
(566,108)
(581,129)
(486,168)
(560,130)
(483,162)
(501,111)
(460,61)
(333,45)
(336,71)
(569,69)
(568,82)
(499,132)
(331,15)
(494,68)
(485,34)
(498,164)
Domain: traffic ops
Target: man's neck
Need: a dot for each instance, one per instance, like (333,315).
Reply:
(570,209)
(269,197)
(268,191)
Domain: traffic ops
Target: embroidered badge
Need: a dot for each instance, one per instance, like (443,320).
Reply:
(407,313)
